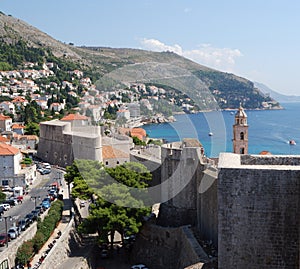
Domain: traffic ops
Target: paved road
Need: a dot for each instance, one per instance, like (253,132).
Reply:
(39,189)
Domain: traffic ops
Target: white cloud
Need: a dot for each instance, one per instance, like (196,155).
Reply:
(156,45)
(222,59)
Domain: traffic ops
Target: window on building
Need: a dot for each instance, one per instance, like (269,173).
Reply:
(242,151)
(242,136)
(118,162)
(106,163)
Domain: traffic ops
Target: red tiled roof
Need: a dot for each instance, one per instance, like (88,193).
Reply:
(264,152)
(108,152)
(7,150)
(19,99)
(140,133)
(29,137)
(3,117)
(3,139)
(74,117)
(17,126)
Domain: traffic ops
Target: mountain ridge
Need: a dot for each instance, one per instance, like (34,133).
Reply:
(105,60)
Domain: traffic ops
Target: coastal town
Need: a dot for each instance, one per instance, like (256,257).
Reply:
(84,186)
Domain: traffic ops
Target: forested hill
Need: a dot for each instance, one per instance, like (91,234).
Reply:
(209,88)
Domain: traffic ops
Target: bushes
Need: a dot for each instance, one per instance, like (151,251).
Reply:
(44,230)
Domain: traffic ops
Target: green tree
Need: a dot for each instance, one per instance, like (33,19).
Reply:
(121,193)
(32,128)
(138,141)
(2,196)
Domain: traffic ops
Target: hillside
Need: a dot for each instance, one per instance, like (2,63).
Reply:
(209,88)
(279,97)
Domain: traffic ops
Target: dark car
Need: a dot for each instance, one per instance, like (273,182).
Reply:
(11,202)
(35,214)
(4,238)
(39,208)
(1,210)
(29,217)
(22,224)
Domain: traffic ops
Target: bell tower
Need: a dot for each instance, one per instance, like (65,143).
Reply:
(240,132)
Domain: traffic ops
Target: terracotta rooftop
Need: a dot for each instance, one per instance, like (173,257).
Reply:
(3,139)
(265,152)
(19,99)
(140,133)
(71,117)
(17,126)
(7,150)
(108,152)
(29,137)
(3,117)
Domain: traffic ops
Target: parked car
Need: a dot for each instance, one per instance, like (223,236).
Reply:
(20,198)
(4,238)
(7,188)
(39,208)
(29,217)
(11,202)
(45,171)
(22,224)
(35,214)
(5,206)
(13,232)
(1,210)
(47,199)
(46,204)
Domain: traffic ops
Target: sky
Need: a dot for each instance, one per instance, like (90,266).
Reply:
(257,39)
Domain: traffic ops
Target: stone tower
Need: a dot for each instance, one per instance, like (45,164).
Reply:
(240,132)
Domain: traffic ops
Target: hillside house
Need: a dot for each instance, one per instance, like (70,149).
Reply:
(5,123)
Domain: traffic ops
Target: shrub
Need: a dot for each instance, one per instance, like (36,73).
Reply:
(25,252)
(44,231)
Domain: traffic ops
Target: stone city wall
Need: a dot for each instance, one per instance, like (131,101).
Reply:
(168,248)
(259,220)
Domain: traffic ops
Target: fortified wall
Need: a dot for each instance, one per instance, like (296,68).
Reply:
(259,205)
(168,248)
(60,143)
(189,188)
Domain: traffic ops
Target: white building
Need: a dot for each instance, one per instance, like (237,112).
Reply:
(5,123)
(10,163)
(7,107)
(123,113)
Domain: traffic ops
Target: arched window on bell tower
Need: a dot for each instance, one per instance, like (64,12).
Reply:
(242,135)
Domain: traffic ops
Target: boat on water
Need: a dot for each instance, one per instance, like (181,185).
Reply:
(210,134)
(292,142)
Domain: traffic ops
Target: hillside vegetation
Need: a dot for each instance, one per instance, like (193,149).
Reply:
(208,88)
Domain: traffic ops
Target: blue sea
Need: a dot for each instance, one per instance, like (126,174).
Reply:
(269,130)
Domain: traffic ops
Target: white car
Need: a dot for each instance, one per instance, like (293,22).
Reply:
(13,232)
(47,165)
(5,206)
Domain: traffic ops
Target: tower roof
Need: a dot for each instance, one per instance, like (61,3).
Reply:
(241,113)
